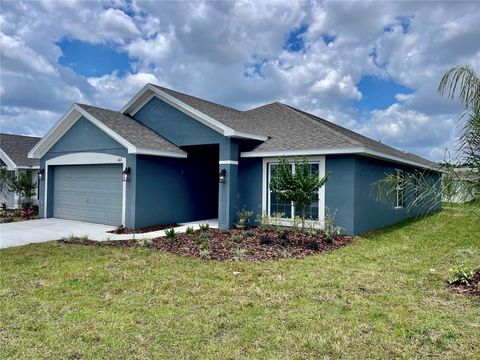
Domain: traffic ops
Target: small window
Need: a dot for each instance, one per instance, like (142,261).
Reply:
(399,190)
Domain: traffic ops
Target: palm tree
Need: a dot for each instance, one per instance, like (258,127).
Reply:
(461,175)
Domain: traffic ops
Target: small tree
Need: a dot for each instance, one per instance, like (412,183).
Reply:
(296,185)
(24,187)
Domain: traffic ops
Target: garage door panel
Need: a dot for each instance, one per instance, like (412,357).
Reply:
(90,193)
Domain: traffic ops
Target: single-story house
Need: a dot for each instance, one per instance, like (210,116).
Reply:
(14,157)
(168,157)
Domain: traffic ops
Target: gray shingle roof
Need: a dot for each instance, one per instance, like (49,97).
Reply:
(17,147)
(289,128)
(293,129)
(131,130)
(232,118)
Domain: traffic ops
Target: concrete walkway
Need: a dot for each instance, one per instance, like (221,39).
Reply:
(41,230)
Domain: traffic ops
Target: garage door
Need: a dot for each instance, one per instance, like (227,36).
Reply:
(91,193)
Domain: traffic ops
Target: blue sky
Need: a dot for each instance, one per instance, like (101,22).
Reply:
(92,60)
(372,69)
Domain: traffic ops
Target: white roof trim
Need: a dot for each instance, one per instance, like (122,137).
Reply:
(331,151)
(70,118)
(6,159)
(135,104)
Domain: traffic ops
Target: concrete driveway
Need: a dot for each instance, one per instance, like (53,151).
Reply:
(41,230)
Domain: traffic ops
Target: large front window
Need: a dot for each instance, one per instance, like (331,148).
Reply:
(286,210)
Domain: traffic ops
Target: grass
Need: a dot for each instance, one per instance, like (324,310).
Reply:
(384,296)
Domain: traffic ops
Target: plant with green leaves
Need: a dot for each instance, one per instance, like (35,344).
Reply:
(244,217)
(460,178)
(24,187)
(204,227)
(461,275)
(171,235)
(189,230)
(297,185)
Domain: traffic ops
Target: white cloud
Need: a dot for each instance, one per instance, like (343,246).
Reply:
(19,58)
(204,48)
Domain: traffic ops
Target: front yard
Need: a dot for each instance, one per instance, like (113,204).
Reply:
(382,296)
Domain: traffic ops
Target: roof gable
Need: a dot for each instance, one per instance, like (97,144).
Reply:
(135,137)
(227,121)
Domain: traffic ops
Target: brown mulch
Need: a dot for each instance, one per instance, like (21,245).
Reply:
(255,244)
(473,288)
(124,230)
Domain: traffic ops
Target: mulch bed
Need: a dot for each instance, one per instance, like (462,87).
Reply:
(473,288)
(124,230)
(15,215)
(254,244)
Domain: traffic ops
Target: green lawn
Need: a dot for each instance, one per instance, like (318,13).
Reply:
(381,297)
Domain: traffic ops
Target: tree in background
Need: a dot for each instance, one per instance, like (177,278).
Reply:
(296,185)
(461,174)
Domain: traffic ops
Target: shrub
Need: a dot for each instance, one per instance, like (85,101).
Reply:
(461,275)
(263,221)
(284,252)
(312,245)
(199,240)
(236,239)
(244,217)
(265,239)
(225,231)
(145,242)
(189,230)
(283,235)
(204,227)
(239,254)
(330,229)
(204,253)
(248,233)
(27,213)
(170,233)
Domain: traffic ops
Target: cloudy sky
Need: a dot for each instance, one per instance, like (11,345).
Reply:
(371,66)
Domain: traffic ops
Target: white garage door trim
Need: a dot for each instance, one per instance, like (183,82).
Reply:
(86,159)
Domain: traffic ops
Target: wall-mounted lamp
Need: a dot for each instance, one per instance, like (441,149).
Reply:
(41,174)
(126,174)
(222,176)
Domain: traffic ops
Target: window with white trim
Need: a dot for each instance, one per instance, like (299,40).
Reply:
(399,190)
(276,206)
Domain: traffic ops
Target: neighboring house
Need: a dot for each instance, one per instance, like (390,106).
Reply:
(14,157)
(460,185)
(187,159)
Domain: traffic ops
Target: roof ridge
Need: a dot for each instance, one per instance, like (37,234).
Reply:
(355,134)
(98,107)
(27,136)
(195,97)
(303,115)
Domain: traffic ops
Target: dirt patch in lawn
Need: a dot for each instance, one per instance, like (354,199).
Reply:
(472,288)
(124,230)
(253,244)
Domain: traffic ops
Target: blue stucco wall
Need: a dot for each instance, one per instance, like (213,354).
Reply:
(250,186)
(182,130)
(176,190)
(83,136)
(340,190)
(176,126)
(371,214)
